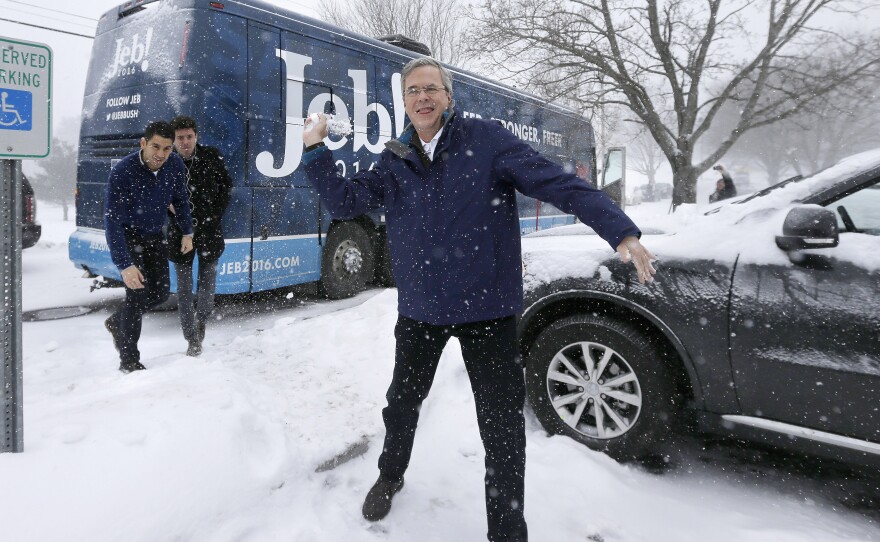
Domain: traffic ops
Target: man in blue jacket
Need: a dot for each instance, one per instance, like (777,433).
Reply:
(448,187)
(139,190)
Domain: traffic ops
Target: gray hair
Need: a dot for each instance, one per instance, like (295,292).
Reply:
(445,76)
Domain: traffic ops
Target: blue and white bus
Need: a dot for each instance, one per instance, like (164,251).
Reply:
(249,72)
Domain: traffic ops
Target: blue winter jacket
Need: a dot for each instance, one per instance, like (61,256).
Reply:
(136,200)
(453,224)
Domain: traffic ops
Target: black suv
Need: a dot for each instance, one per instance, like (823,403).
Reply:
(30,230)
(763,322)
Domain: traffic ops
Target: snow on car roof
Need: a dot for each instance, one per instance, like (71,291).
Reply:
(747,230)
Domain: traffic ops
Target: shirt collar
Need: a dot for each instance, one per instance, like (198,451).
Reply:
(430,146)
(141,158)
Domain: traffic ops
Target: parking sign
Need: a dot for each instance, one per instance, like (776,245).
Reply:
(25,99)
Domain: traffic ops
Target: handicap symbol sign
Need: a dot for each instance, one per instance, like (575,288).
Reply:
(16,108)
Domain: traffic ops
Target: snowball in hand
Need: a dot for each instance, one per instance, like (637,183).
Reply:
(337,127)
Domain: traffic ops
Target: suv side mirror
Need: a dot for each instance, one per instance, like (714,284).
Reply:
(808,227)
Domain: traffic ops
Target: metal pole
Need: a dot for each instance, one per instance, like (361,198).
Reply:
(11,439)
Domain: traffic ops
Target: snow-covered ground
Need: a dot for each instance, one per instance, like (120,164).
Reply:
(235,445)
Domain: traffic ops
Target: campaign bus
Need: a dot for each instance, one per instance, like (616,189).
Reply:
(249,73)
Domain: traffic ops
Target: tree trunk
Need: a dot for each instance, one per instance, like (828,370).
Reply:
(684,183)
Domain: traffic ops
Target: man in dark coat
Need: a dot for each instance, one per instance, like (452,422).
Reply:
(139,190)
(724,187)
(448,185)
(209,188)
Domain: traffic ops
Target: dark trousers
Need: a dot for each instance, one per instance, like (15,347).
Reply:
(492,362)
(150,255)
(196,308)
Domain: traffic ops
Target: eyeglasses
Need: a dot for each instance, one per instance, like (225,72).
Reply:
(431,91)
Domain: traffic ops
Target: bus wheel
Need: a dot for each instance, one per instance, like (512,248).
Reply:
(347,261)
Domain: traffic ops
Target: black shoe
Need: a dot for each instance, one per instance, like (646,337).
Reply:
(131,366)
(378,501)
(194,349)
(110,325)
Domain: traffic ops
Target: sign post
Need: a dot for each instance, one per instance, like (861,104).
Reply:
(25,132)
(10,333)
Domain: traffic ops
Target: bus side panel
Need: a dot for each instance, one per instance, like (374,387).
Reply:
(285,249)
(216,57)
(249,85)
(344,82)
(285,235)
(265,113)
(237,234)
(154,65)
(87,249)
(289,80)
(216,60)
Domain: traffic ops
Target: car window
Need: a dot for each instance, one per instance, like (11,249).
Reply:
(861,209)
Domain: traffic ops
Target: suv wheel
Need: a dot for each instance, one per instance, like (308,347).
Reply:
(603,383)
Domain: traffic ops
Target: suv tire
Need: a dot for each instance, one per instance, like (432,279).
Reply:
(626,402)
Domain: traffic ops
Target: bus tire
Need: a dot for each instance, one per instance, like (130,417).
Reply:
(347,261)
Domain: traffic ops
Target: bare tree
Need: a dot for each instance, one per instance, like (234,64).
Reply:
(57,180)
(843,123)
(645,156)
(766,147)
(657,58)
(436,23)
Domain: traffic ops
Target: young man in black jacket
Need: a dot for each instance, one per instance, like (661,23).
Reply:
(140,189)
(209,187)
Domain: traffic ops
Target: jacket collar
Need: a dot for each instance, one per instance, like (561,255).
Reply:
(146,167)
(194,156)
(409,143)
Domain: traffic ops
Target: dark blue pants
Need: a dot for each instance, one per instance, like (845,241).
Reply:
(150,255)
(492,362)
